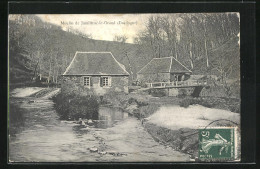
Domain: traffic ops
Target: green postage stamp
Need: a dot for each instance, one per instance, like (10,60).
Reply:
(217,143)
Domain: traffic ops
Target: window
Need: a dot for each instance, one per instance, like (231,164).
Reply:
(86,81)
(105,81)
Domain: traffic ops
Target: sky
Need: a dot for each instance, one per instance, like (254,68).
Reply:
(101,26)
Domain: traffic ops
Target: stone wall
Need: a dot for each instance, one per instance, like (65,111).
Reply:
(74,84)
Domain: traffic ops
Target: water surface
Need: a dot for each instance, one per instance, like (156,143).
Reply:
(38,135)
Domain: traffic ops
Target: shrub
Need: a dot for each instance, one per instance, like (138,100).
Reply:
(158,92)
(132,100)
(116,98)
(183,92)
(190,101)
(76,106)
(148,110)
(234,108)
(185,103)
(140,103)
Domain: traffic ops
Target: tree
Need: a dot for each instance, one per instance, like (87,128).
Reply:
(224,69)
(121,38)
(188,36)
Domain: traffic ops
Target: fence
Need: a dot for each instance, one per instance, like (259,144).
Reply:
(187,83)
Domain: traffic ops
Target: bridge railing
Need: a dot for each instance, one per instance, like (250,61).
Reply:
(186,83)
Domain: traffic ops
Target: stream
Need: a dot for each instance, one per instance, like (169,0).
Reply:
(38,135)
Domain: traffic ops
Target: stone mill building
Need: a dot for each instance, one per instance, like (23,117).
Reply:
(95,73)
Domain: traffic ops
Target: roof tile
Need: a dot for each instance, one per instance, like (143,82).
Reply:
(95,63)
(164,65)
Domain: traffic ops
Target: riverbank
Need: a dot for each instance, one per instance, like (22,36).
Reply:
(174,121)
(177,127)
(144,105)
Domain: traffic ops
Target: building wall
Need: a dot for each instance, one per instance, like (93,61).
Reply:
(153,77)
(74,84)
(160,77)
(185,76)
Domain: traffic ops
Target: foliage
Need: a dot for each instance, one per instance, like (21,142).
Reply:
(190,101)
(76,106)
(122,38)
(50,49)
(205,43)
(231,104)
(147,110)
(158,92)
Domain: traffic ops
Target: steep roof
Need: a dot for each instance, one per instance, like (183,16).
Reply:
(164,65)
(95,63)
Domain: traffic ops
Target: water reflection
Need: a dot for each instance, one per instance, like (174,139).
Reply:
(80,130)
(108,116)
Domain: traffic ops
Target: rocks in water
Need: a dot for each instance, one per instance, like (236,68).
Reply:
(167,147)
(83,123)
(90,122)
(83,129)
(95,136)
(93,149)
(101,141)
(114,153)
(79,121)
(123,154)
(98,138)
(102,152)
(31,101)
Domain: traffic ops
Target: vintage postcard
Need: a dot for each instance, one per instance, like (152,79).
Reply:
(124,87)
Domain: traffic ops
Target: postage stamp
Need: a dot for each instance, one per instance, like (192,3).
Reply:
(217,143)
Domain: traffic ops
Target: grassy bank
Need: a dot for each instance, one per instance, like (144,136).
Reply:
(140,106)
(184,139)
(177,127)
(144,105)
(231,104)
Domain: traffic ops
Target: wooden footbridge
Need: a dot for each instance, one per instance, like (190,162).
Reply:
(198,85)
